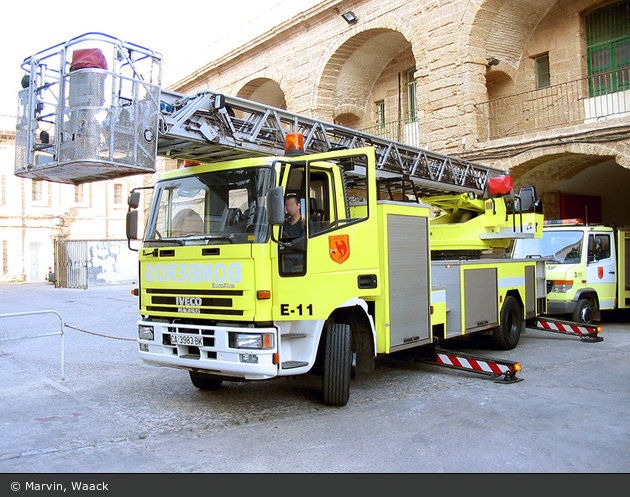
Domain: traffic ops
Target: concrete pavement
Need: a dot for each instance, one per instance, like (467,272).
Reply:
(113,414)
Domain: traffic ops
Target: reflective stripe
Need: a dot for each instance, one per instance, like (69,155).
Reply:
(476,365)
(438,296)
(511,282)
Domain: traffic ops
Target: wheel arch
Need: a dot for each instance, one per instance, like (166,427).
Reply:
(517,295)
(355,314)
(588,294)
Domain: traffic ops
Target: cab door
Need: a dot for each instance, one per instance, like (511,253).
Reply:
(338,261)
(623,269)
(601,270)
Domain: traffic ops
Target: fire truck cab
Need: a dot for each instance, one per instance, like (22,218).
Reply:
(588,267)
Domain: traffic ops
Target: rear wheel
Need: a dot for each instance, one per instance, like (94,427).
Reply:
(337,365)
(204,381)
(507,334)
(584,311)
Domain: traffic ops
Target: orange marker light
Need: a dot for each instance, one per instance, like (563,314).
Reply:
(294,144)
(517,367)
(263,294)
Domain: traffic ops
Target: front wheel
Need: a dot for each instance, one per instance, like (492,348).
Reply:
(204,381)
(584,312)
(337,365)
(507,334)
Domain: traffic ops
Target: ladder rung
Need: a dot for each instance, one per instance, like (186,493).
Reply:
(244,127)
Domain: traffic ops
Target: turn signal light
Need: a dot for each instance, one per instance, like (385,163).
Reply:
(263,294)
(517,367)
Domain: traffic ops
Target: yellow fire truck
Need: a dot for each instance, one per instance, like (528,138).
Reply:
(588,267)
(229,288)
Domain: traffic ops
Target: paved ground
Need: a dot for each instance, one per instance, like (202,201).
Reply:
(113,414)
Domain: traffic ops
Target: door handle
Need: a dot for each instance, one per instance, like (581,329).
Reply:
(611,272)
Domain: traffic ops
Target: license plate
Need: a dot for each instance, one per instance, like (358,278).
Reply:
(186,340)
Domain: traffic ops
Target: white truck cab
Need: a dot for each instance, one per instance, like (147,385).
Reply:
(588,267)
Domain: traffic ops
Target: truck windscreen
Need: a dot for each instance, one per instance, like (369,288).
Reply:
(211,208)
(563,247)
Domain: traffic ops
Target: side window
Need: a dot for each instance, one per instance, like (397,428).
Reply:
(321,210)
(293,232)
(598,247)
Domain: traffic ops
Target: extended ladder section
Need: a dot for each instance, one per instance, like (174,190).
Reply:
(92,109)
(209,127)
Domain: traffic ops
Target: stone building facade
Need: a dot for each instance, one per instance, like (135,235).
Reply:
(536,87)
(34,214)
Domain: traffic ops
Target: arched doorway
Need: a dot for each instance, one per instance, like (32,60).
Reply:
(265,91)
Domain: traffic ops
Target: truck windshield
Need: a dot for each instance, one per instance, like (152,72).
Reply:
(213,208)
(563,247)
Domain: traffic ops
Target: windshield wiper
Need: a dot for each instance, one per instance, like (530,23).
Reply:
(175,241)
(229,237)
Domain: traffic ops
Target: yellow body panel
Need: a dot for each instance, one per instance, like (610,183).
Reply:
(374,269)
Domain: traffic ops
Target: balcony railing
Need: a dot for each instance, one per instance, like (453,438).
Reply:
(583,100)
(403,130)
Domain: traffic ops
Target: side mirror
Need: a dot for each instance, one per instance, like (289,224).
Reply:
(275,205)
(134,200)
(132,225)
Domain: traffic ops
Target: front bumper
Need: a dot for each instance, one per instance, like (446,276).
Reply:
(557,307)
(212,354)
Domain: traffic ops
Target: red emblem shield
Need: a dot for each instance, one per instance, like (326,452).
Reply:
(339,248)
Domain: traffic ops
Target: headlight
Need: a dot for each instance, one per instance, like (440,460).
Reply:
(145,332)
(562,286)
(251,340)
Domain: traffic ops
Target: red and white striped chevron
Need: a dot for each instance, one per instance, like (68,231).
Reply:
(474,364)
(567,327)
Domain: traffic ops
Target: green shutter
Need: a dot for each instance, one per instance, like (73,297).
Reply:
(608,48)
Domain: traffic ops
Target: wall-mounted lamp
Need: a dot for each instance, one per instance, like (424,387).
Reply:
(492,61)
(350,17)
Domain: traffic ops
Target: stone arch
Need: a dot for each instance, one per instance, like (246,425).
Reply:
(347,71)
(594,169)
(265,91)
(501,29)
(620,151)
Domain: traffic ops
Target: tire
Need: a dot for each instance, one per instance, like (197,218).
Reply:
(584,311)
(337,365)
(507,334)
(204,381)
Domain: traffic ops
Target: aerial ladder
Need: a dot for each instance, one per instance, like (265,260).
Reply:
(70,92)
(97,113)
(92,109)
